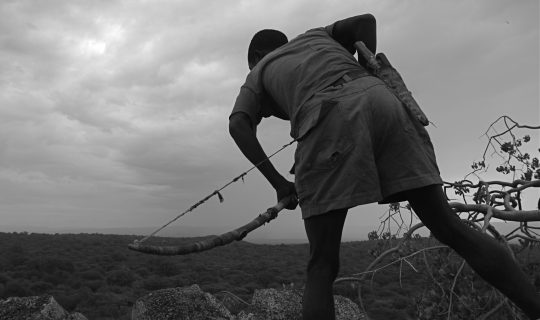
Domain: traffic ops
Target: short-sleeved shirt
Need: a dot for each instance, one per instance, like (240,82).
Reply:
(281,83)
(366,148)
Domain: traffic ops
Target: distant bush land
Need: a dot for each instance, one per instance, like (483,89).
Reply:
(97,275)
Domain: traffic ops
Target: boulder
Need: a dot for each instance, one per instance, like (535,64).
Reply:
(286,304)
(272,304)
(191,303)
(187,303)
(347,309)
(42,307)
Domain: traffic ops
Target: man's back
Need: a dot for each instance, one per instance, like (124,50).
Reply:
(307,64)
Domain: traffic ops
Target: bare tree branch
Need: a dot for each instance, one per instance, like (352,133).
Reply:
(518,216)
(221,240)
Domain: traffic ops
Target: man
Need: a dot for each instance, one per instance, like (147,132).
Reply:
(356,144)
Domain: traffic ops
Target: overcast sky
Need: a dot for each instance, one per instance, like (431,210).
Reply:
(115,113)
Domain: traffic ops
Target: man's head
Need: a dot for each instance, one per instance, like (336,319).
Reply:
(264,42)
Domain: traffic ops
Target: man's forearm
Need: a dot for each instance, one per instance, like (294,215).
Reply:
(358,28)
(246,139)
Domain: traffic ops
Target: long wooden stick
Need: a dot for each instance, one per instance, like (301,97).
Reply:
(215,241)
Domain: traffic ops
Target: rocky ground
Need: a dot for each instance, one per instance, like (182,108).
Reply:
(188,303)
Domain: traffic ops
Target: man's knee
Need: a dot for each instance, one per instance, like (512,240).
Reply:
(443,235)
(454,233)
(323,268)
(430,205)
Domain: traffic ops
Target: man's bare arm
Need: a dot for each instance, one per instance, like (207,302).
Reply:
(358,28)
(244,135)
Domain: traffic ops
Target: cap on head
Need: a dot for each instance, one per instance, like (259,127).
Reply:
(264,42)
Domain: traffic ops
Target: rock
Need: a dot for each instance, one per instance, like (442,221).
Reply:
(347,309)
(35,308)
(272,304)
(188,303)
(191,303)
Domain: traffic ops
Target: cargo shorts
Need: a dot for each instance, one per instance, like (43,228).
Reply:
(365,148)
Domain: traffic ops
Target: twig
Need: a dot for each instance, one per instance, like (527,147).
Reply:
(452,293)
(364,273)
(234,296)
(491,312)
(431,275)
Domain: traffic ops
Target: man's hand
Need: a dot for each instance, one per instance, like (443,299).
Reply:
(287,189)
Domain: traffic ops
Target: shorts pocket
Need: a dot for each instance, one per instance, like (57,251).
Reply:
(327,145)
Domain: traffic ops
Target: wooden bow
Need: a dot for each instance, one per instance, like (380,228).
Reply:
(215,241)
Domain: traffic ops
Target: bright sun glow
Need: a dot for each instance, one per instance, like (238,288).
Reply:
(93,47)
(98,45)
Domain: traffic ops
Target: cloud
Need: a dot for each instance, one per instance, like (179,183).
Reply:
(112,109)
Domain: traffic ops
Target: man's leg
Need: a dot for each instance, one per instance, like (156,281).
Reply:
(484,254)
(324,235)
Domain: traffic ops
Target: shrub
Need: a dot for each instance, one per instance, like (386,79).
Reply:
(123,277)
(55,279)
(68,301)
(155,283)
(94,285)
(51,264)
(118,256)
(40,287)
(91,275)
(166,268)
(4,278)
(142,271)
(16,289)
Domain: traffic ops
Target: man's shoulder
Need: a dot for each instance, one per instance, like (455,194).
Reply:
(315,32)
(308,38)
